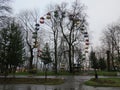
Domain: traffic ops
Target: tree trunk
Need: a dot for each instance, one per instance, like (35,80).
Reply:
(45,72)
(113,61)
(31,52)
(112,57)
(108,60)
(5,72)
(55,53)
(31,58)
(96,75)
(70,63)
(14,70)
(56,59)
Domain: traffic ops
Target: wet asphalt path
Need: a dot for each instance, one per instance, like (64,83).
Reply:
(71,83)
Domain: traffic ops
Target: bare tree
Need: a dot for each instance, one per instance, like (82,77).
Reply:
(28,19)
(111,41)
(73,27)
(5,9)
(69,23)
(52,26)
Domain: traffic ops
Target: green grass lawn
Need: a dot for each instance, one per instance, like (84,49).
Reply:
(48,73)
(100,73)
(104,82)
(104,73)
(48,81)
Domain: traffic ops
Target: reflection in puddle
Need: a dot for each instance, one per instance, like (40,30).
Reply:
(28,87)
(48,87)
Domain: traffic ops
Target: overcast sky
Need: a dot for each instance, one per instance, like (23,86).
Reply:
(100,12)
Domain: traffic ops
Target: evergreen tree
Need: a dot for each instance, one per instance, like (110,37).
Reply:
(15,46)
(102,64)
(11,45)
(93,60)
(46,58)
(4,39)
(94,63)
